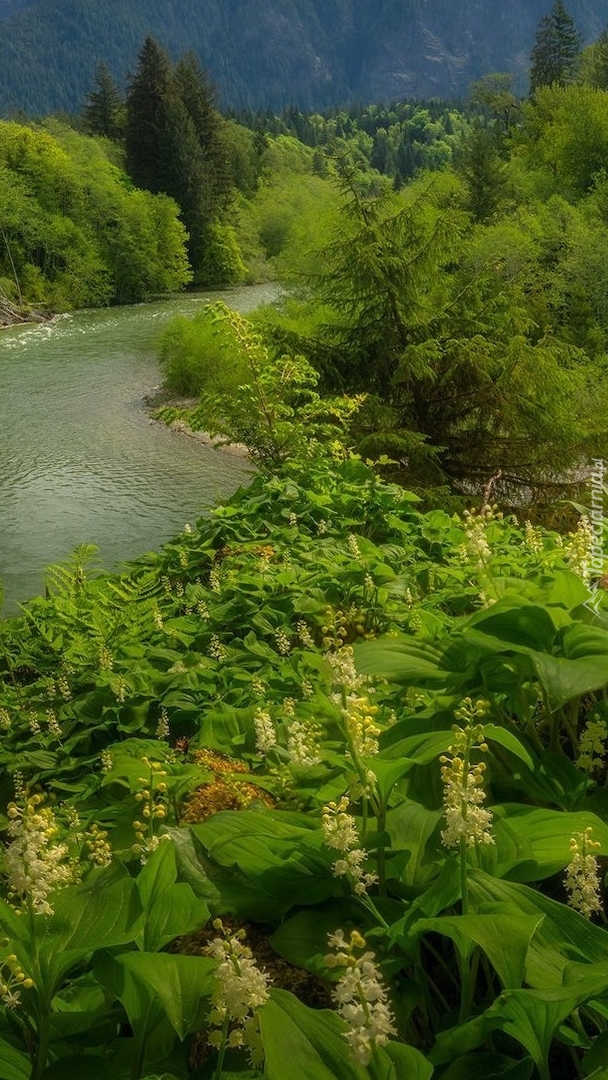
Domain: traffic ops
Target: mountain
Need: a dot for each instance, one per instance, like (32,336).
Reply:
(268,53)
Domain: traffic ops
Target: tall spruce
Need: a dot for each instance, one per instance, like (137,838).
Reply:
(103,112)
(556,49)
(198,96)
(174,143)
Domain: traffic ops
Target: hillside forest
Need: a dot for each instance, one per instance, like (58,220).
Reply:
(319,789)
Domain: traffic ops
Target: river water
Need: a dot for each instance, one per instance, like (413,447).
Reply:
(80,459)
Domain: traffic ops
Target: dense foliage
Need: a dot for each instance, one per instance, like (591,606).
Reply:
(257,725)
(73,230)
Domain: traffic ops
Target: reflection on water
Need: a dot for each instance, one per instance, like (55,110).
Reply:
(80,460)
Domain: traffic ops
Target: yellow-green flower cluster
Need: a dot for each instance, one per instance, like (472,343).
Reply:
(592,747)
(466,819)
(37,862)
(340,832)
(360,996)
(12,980)
(579,549)
(241,988)
(152,801)
(582,881)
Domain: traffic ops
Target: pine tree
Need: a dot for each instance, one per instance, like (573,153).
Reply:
(556,49)
(103,111)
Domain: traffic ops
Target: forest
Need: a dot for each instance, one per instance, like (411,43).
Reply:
(320,787)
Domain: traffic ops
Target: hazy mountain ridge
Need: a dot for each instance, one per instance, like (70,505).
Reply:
(269,53)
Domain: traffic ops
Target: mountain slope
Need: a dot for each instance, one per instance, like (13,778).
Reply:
(271,52)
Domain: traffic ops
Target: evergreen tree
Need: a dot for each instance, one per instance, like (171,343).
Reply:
(199,99)
(103,111)
(166,149)
(556,49)
(483,173)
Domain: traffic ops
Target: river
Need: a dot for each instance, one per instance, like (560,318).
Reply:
(80,459)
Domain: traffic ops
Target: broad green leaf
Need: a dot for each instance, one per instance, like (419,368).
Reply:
(179,982)
(514,623)
(171,908)
(14,1065)
(302,938)
(564,679)
(563,936)
(153,1036)
(532,1017)
(396,1061)
(504,939)
(102,912)
(401,659)
(580,641)
(506,738)
(280,854)
(546,834)
(303,1043)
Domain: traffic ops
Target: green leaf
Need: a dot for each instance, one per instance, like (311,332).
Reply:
(401,659)
(405,1061)
(545,834)
(505,939)
(564,679)
(506,738)
(171,908)
(279,857)
(563,936)
(14,1065)
(532,1017)
(303,1043)
(102,912)
(514,623)
(153,1036)
(179,982)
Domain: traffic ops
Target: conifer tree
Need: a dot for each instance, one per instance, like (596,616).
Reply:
(556,49)
(199,99)
(173,143)
(103,111)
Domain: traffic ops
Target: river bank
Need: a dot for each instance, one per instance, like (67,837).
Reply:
(159,399)
(12,315)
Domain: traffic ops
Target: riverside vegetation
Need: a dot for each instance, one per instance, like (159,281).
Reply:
(321,785)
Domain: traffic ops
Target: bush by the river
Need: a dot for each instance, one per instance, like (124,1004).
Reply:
(74,231)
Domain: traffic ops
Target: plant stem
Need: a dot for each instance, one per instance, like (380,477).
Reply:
(222,1050)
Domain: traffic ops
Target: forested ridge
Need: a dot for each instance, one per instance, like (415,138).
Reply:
(312,53)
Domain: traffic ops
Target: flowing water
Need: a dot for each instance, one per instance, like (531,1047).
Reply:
(80,459)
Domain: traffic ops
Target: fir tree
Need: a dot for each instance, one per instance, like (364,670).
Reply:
(175,144)
(556,49)
(103,111)
(483,173)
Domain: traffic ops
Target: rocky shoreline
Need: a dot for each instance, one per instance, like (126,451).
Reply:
(159,398)
(12,314)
